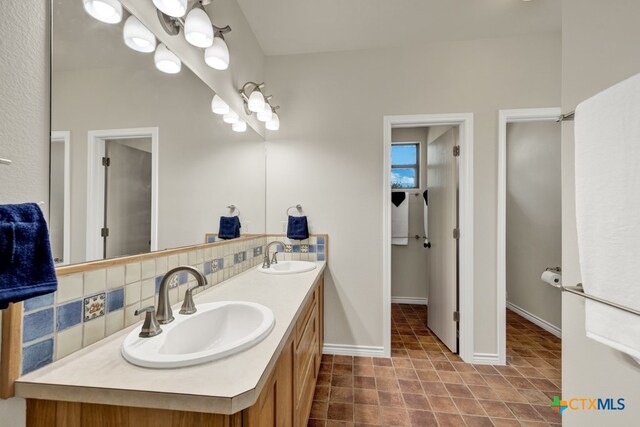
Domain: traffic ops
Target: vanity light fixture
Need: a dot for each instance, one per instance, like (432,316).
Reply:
(231,117)
(198,29)
(167,61)
(175,8)
(239,126)
(218,106)
(266,114)
(107,11)
(217,55)
(274,123)
(137,36)
(254,101)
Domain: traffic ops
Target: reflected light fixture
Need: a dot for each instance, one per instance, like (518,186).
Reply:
(107,11)
(217,55)
(137,36)
(231,117)
(218,106)
(175,8)
(274,123)
(254,99)
(167,61)
(198,29)
(266,114)
(239,126)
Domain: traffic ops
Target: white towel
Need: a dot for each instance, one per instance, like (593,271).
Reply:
(400,221)
(425,198)
(607,155)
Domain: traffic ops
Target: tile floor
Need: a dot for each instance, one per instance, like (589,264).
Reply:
(424,384)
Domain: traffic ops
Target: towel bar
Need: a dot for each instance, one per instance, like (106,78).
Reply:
(297,207)
(233,208)
(5,161)
(578,290)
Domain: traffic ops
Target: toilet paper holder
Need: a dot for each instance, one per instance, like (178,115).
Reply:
(554,269)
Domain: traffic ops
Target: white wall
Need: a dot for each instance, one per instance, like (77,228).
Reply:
(600,48)
(24,114)
(534,223)
(328,154)
(409,271)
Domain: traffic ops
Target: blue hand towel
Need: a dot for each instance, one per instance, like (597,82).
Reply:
(229,227)
(26,265)
(298,228)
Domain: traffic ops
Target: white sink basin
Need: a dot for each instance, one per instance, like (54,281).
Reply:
(216,330)
(288,267)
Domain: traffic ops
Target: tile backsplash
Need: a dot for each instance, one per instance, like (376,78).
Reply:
(93,304)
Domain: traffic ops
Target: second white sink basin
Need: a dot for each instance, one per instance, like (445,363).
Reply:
(216,330)
(288,267)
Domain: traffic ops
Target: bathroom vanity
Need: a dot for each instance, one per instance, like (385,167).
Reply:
(269,384)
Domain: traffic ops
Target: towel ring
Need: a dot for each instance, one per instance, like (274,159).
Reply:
(298,207)
(233,208)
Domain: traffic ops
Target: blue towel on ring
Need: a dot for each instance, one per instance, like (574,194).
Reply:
(229,227)
(298,228)
(26,265)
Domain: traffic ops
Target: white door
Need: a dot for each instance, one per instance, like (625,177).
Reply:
(442,173)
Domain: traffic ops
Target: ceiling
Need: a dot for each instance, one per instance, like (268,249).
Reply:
(307,26)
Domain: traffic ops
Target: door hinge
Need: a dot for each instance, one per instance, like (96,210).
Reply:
(104,232)
(456,316)
(456,150)
(106,161)
(456,233)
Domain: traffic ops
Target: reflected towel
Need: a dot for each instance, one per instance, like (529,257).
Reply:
(229,227)
(26,266)
(425,196)
(297,228)
(399,218)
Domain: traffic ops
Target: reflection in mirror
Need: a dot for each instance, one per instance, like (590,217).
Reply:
(148,166)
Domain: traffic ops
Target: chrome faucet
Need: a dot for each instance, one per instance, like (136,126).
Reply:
(164,314)
(266,263)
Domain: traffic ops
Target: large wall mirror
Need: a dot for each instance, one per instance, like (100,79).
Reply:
(138,161)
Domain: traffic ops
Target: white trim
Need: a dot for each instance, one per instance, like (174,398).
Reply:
(65,138)
(553,329)
(486,359)
(505,117)
(95,183)
(353,350)
(409,300)
(465,123)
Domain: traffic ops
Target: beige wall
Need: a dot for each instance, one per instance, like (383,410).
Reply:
(600,48)
(409,271)
(534,224)
(24,113)
(328,154)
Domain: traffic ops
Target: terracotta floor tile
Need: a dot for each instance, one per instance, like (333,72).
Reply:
(406,373)
(402,363)
(434,388)
(362,361)
(323,379)
(364,396)
(472,379)
(450,377)
(496,409)
(315,423)
(378,361)
(410,386)
(393,399)
(327,358)
(319,410)
(449,420)
(422,418)
(363,370)
(393,416)
(458,390)
(343,359)
(342,381)
(442,404)
(342,369)
(475,421)
(422,364)
(502,422)
(387,384)
(334,423)
(384,372)
(524,411)
(368,414)
(483,392)
(321,393)
(468,406)
(427,375)
(341,394)
(341,412)
(364,382)
(416,401)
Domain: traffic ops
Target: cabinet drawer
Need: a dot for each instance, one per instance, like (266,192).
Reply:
(305,352)
(307,389)
(303,320)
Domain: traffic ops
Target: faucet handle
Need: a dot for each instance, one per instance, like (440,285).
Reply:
(188,306)
(274,259)
(150,327)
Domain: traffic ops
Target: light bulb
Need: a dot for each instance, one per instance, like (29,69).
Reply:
(137,36)
(274,123)
(231,117)
(218,106)
(198,29)
(239,126)
(167,61)
(266,114)
(256,101)
(175,8)
(217,55)
(107,11)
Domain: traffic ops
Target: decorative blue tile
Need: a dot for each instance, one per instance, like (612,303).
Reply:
(220,263)
(321,249)
(184,277)
(214,266)
(211,239)
(288,248)
(320,256)
(304,248)
(320,240)
(37,355)
(279,248)
(69,315)
(37,325)
(38,302)
(295,249)
(94,306)
(312,249)
(158,281)
(115,300)
(207,267)
(257,251)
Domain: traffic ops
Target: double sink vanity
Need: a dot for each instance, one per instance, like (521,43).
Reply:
(248,356)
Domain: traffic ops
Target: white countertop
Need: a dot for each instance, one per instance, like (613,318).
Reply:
(99,374)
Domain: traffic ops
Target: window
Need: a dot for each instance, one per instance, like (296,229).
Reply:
(405,165)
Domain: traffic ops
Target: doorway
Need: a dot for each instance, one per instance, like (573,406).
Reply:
(122,199)
(529,233)
(60,197)
(451,298)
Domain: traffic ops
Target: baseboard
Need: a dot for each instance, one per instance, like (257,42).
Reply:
(353,350)
(536,320)
(408,300)
(486,359)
